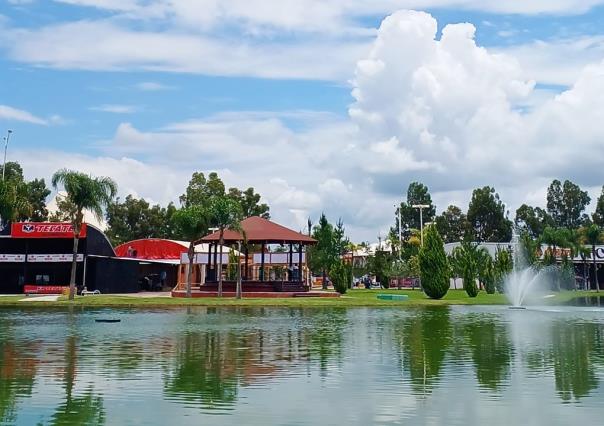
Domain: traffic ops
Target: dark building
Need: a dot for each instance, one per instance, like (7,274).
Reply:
(40,254)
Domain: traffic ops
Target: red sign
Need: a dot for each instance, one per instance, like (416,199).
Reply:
(43,289)
(44,230)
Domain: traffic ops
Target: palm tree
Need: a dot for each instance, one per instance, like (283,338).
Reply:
(225,214)
(84,192)
(593,236)
(191,222)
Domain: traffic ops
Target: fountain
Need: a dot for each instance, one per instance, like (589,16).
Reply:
(524,279)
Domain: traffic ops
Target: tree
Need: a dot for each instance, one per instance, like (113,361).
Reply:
(225,213)
(14,201)
(191,223)
(340,276)
(502,266)
(26,201)
(200,190)
(598,216)
(84,193)
(37,192)
(566,203)
(532,220)
(249,202)
(452,224)
(593,236)
(417,193)
(469,257)
(487,216)
(331,244)
(486,271)
(135,219)
(379,264)
(434,267)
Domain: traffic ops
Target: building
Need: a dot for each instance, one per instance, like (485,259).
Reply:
(40,254)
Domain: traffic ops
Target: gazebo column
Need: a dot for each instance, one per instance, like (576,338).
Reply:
(214,271)
(290,265)
(245,276)
(262,262)
(300,263)
(209,271)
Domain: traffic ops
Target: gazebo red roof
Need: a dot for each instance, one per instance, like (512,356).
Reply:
(258,230)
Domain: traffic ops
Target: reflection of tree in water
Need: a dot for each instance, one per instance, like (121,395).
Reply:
(18,363)
(491,349)
(205,371)
(574,348)
(424,339)
(324,335)
(123,357)
(86,409)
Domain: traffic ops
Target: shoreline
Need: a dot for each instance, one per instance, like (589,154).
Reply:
(353,299)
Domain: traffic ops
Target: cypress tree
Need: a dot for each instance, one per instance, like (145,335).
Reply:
(433,264)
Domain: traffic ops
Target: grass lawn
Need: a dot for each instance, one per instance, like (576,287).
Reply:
(354,298)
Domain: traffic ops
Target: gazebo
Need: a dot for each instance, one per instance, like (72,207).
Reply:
(258,234)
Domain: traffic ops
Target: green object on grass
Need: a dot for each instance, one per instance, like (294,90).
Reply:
(392,296)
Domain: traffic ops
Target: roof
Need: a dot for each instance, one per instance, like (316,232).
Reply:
(260,230)
(157,248)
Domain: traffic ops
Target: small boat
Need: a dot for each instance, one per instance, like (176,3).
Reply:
(107,320)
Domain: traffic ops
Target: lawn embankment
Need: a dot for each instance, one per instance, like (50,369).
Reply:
(354,298)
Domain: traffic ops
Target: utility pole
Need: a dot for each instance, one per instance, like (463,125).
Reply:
(6,140)
(421,208)
(400,234)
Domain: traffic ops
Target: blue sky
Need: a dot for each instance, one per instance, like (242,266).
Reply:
(113,86)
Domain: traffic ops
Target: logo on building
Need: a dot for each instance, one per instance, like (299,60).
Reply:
(28,228)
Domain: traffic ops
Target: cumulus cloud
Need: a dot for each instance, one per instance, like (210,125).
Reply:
(435,108)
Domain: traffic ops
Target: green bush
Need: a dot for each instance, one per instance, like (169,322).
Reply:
(433,265)
(469,280)
(340,277)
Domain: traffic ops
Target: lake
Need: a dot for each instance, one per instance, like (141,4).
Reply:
(262,366)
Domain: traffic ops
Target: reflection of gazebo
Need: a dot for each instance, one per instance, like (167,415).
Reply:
(258,268)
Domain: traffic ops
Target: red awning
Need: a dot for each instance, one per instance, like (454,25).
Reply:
(152,249)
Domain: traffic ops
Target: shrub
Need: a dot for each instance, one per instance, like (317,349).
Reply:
(433,264)
(340,277)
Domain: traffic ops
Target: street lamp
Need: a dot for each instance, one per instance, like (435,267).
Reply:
(421,208)
(400,233)
(6,140)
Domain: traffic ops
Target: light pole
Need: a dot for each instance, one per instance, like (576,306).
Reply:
(6,140)
(421,208)
(400,233)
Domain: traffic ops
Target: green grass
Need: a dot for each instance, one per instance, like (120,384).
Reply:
(354,298)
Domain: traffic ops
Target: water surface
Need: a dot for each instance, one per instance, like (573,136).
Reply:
(261,366)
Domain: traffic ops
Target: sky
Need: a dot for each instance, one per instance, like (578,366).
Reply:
(322,106)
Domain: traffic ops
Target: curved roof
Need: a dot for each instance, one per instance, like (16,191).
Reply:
(158,248)
(258,230)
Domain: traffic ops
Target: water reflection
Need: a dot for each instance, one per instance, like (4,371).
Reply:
(574,351)
(424,341)
(61,368)
(491,348)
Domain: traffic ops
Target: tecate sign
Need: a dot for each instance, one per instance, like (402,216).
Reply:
(44,230)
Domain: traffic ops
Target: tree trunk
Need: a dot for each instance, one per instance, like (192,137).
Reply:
(238,272)
(74,264)
(191,255)
(593,256)
(221,242)
(324,284)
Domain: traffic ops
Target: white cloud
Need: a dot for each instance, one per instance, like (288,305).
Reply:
(443,111)
(103,45)
(14,114)
(152,86)
(115,108)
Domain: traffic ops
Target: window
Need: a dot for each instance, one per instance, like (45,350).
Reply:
(42,279)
